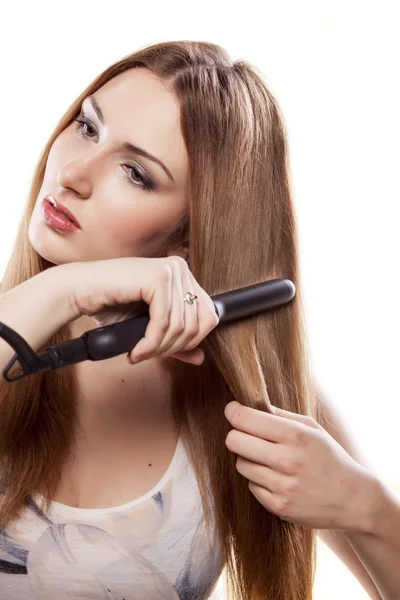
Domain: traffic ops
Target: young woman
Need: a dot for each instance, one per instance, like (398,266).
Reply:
(120,479)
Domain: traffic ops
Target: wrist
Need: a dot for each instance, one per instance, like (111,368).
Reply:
(375,505)
(63,279)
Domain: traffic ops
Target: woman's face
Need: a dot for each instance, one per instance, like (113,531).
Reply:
(105,185)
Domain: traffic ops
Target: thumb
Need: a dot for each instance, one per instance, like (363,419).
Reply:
(286,414)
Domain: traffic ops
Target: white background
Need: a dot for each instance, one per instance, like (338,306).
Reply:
(333,65)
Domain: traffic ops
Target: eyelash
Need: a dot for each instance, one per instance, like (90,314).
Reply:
(146,185)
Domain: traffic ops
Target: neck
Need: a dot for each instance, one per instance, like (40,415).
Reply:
(115,397)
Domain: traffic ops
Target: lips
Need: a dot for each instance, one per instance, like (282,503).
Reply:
(63,210)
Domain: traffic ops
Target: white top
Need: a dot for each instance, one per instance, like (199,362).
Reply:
(153,548)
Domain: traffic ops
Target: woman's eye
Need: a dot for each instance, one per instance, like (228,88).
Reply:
(139,181)
(136,176)
(143,182)
(84,123)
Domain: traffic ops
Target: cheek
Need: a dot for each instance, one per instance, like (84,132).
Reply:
(146,221)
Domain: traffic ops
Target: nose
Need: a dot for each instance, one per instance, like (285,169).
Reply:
(79,174)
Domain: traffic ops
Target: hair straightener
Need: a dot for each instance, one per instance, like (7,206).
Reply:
(118,338)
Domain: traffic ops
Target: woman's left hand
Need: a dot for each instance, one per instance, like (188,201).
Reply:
(296,469)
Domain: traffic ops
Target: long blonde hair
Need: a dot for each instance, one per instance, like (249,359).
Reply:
(241,230)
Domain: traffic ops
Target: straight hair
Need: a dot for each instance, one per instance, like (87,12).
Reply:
(240,230)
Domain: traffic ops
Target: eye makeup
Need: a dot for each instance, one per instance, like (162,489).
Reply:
(145,182)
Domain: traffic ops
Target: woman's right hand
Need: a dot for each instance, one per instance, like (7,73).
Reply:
(111,290)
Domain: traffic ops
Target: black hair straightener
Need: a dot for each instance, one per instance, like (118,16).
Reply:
(119,338)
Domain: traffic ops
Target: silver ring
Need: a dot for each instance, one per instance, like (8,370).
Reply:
(189,298)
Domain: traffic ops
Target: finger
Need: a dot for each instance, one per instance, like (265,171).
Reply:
(177,313)
(261,424)
(159,311)
(285,414)
(267,498)
(269,454)
(206,316)
(260,474)
(191,326)
(193,357)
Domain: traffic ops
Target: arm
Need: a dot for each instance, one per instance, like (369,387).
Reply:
(372,553)
(339,544)
(379,545)
(37,308)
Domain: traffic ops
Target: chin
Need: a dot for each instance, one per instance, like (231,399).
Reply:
(46,248)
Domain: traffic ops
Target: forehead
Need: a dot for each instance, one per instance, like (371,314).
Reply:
(138,108)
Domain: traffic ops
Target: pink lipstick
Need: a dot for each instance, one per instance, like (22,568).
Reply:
(58,217)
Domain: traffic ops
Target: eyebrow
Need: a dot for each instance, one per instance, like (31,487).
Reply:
(128,146)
